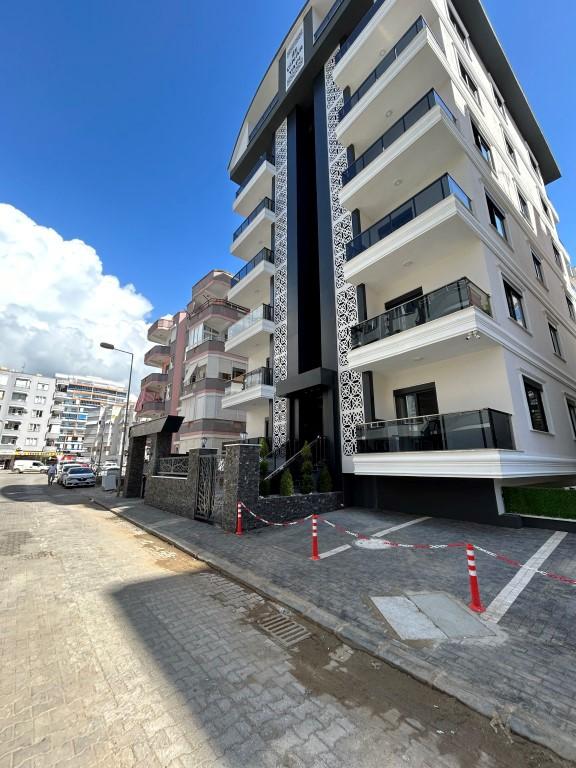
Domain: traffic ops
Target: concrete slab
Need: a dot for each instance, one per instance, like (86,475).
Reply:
(449,616)
(406,619)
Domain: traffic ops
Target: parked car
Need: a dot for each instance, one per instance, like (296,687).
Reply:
(63,468)
(28,465)
(78,476)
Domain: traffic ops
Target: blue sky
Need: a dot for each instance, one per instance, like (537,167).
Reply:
(119,118)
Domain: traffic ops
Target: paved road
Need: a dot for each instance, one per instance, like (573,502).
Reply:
(117,650)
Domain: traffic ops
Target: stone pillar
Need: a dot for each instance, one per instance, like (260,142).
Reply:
(160,448)
(135,467)
(241,480)
(192,477)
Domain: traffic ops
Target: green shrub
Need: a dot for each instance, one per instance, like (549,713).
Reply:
(264,448)
(264,487)
(286,484)
(541,502)
(324,480)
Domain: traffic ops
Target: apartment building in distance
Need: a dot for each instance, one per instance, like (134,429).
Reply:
(195,367)
(77,399)
(410,298)
(25,404)
(103,436)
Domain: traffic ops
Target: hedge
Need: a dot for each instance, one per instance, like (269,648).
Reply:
(541,502)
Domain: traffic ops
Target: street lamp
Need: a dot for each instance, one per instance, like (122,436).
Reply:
(106,345)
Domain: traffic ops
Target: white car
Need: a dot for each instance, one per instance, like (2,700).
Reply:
(27,465)
(78,476)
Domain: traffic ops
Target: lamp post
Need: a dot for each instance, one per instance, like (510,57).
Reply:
(105,345)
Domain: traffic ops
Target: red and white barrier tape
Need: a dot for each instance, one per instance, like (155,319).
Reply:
(269,522)
(387,542)
(517,564)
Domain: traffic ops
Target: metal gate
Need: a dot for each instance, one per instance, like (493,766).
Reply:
(210,495)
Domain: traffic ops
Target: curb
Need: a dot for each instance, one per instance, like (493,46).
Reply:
(391,652)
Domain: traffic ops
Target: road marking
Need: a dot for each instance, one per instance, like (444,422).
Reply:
(506,597)
(344,547)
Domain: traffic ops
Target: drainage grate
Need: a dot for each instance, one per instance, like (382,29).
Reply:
(286,631)
(11,542)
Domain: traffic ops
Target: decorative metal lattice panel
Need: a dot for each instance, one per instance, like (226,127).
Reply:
(281,283)
(350,382)
(174,465)
(209,499)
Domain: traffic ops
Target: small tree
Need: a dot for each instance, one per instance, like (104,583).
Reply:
(324,480)
(264,483)
(306,469)
(264,448)
(286,484)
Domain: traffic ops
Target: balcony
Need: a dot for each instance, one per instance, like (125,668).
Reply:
(431,225)
(450,321)
(159,332)
(255,232)
(375,35)
(413,152)
(153,408)
(415,64)
(257,185)
(262,119)
(327,19)
(250,334)
(254,389)
(252,283)
(462,431)
(154,382)
(220,313)
(158,356)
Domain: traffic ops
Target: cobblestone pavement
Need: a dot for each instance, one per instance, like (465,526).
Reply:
(525,674)
(118,650)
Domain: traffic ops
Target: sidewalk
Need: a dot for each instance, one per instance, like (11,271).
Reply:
(521,674)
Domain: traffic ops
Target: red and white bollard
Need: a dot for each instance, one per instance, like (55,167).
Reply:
(476,603)
(239,519)
(315,555)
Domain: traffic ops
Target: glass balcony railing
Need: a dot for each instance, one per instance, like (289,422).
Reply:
(267,157)
(451,298)
(256,378)
(462,431)
(263,205)
(358,29)
(384,65)
(263,312)
(265,115)
(327,19)
(439,190)
(264,255)
(421,108)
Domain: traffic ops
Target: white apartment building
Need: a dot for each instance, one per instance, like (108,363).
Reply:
(25,402)
(103,434)
(393,183)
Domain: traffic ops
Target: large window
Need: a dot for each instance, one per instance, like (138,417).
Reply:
(572,413)
(497,218)
(42,386)
(31,441)
(515,305)
(538,268)
(483,146)
(22,383)
(510,151)
(40,400)
(545,207)
(524,209)
(19,397)
(499,102)
(557,256)
(571,311)
(555,337)
(469,82)
(535,400)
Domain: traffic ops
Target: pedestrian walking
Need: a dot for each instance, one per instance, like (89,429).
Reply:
(51,473)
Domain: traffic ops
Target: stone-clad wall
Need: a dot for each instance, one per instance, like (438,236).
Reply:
(284,509)
(170,493)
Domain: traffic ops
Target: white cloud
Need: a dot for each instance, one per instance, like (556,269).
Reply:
(57,305)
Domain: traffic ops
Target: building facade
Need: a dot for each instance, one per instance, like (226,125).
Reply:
(103,436)
(76,400)
(25,406)
(410,298)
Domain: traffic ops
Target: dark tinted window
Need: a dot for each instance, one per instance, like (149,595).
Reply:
(459,29)
(535,402)
(515,306)
(538,268)
(482,144)
(572,412)
(497,218)
(510,150)
(571,311)
(524,210)
(469,82)
(555,339)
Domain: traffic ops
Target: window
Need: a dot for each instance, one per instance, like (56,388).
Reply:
(39,400)
(497,218)
(499,102)
(42,386)
(510,151)
(22,383)
(557,256)
(535,402)
(2,393)
(8,441)
(545,207)
(33,427)
(538,268)
(535,166)
(3,379)
(19,397)
(483,146)
(555,339)
(571,311)
(572,413)
(469,82)
(524,210)
(459,29)
(515,306)
(15,411)
(31,441)
(37,414)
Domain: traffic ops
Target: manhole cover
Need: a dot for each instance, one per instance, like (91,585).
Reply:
(283,629)
(11,542)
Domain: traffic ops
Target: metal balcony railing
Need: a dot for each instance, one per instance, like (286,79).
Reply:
(264,205)
(264,255)
(327,19)
(451,298)
(265,115)
(464,430)
(267,157)
(433,194)
(256,378)
(421,108)
(358,29)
